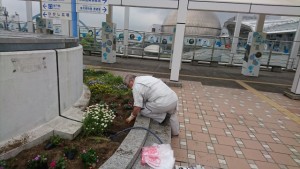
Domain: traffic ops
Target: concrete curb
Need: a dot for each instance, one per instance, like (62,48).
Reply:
(65,128)
(163,132)
(130,148)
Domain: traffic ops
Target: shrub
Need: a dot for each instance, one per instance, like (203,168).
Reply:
(87,41)
(97,118)
(89,158)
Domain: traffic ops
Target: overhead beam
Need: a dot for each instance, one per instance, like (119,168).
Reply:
(275,10)
(219,6)
(254,6)
(165,4)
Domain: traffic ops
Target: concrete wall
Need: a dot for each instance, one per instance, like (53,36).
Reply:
(29,88)
(70,65)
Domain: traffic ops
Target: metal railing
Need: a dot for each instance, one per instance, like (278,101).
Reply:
(195,48)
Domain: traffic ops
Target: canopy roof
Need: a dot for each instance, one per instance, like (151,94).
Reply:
(271,7)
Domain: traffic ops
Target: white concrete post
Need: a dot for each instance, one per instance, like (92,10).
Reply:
(29,16)
(179,36)
(260,23)
(296,83)
(126,28)
(235,41)
(295,48)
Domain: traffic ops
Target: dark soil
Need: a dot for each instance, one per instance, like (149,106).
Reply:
(102,145)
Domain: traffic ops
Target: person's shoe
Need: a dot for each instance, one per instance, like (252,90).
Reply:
(167,118)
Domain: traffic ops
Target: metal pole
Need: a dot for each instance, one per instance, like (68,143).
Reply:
(213,50)
(143,44)
(95,40)
(159,46)
(194,50)
(125,32)
(6,15)
(74,19)
(270,55)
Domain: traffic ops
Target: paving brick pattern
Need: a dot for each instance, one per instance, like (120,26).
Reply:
(235,129)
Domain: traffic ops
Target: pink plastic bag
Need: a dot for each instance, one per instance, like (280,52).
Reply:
(158,156)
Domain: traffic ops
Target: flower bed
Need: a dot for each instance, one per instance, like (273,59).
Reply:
(110,105)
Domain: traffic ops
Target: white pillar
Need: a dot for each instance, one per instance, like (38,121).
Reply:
(65,28)
(235,41)
(260,23)
(296,83)
(179,36)
(29,16)
(295,48)
(126,28)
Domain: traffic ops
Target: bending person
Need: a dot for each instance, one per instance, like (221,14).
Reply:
(153,99)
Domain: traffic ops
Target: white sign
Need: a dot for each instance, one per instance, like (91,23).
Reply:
(57,29)
(56,7)
(92,2)
(61,1)
(96,9)
(57,15)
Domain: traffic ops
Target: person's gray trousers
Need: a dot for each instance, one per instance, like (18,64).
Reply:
(158,114)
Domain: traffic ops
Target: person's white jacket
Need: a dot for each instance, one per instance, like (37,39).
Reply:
(156,100)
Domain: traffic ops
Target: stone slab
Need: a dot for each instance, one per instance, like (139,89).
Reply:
(128,151)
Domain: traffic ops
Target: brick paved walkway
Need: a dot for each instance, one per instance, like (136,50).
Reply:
(235,129)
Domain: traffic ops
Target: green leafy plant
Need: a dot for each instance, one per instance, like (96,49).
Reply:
(60,164)
(97,118)
(89,158)
(103,85)
(39,162)
(55,140)
(3,164)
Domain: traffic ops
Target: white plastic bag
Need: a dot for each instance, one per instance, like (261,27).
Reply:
(158,156)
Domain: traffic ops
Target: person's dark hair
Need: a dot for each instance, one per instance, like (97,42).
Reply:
(128,78)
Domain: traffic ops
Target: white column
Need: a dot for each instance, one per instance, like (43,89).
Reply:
(260,23)
(179,36)
(295,48)
(235,41)
(296,84)
(126,27)
(65,28)
(29,16)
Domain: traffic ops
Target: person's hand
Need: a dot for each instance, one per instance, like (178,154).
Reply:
(130,118)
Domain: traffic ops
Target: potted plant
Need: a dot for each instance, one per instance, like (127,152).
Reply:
(54,141)
(70,152)
(39,162)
